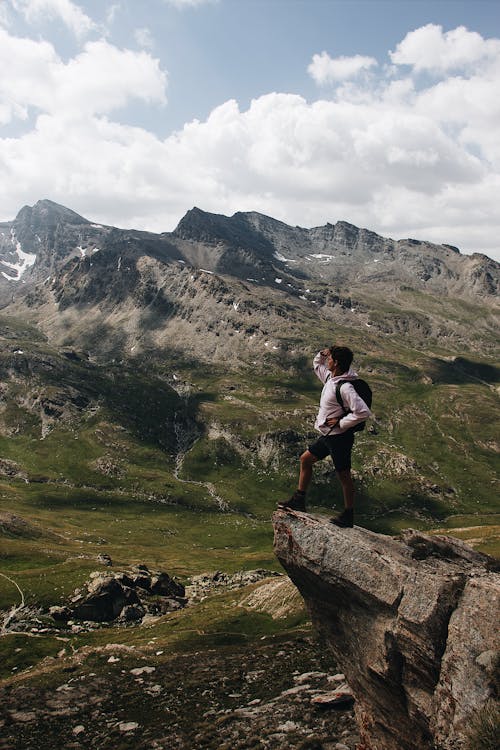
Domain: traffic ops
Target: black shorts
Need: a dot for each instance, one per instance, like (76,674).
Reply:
(339,447)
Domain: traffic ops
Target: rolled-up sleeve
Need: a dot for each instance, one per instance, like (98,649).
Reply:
(358,410)
(320,368)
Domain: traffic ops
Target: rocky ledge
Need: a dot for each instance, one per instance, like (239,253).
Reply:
(412,623)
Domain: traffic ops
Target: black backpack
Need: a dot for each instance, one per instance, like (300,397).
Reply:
(363,390)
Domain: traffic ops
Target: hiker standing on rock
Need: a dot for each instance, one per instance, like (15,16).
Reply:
(342,412)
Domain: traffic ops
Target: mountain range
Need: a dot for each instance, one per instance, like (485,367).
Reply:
(221,284)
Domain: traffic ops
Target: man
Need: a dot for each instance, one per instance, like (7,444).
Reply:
(332,366)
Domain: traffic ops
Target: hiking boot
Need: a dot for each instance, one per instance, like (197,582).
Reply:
(296,502)
(345,520)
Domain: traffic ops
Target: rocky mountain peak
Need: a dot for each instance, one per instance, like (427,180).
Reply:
(234,231)
(46,214)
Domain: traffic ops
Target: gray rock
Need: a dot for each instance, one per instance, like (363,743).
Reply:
(132,613)
(105,560)
(60,614)
(163,585)
(412,627)
(104,603)
(123,595)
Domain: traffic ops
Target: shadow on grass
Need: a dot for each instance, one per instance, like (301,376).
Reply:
(461,371)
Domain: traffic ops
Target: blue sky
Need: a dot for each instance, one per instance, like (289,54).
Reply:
(384,113)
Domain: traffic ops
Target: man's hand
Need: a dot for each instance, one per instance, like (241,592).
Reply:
(325,352)
(332,422)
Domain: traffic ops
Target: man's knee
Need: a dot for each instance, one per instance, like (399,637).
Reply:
(307,459)
(345,476)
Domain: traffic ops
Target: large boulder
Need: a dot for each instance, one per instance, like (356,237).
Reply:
(412,623)
(127,595)
(104,602)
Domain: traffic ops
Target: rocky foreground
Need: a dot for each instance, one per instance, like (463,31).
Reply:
(413,624)
(277,695)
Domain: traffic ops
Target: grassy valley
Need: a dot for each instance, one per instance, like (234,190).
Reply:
(112,459)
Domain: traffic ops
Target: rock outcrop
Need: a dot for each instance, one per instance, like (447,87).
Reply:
(126,595)
(412,623)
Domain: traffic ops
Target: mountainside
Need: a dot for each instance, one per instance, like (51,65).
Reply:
(340,252)
(241,283)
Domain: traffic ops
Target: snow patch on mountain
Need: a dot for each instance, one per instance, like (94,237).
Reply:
(26,260)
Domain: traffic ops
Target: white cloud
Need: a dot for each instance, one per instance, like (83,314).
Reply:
(112,12)
(100,79)
(65,10)
(325,69)
(4,15)
(399,159)
(428,48)
(144,38)
(188,3)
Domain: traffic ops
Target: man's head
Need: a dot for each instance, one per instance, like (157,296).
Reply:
(341,358)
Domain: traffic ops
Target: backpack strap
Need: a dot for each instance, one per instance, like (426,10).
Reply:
(338,395)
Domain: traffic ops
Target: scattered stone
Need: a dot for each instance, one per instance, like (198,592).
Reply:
(296,690)
(163,585)
(288,726)
(202,585)
(342,697)
(128,726)
(142,670)
(79,729)
(13,471)
(60,614)
(105,559)
(308,676)
(23,716)
(183,686)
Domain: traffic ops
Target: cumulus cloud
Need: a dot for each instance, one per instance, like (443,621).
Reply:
(429,49)
(65,10)
(100,79)
(396,156)
(325,69)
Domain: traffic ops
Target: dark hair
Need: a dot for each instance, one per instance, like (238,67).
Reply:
(343,356)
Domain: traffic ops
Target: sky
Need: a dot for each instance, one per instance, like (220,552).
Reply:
(381,113)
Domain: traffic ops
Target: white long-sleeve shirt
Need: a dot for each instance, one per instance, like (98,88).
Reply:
(329,406)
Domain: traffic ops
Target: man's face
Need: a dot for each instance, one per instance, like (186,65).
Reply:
(331,363)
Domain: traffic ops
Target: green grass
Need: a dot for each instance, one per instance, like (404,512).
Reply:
(219,620)
(439,416)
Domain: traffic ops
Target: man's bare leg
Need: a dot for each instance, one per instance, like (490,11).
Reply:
(307,461)
(298,499)
(347,487)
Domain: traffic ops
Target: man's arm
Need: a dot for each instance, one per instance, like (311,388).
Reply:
(358,410)
(319,365)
